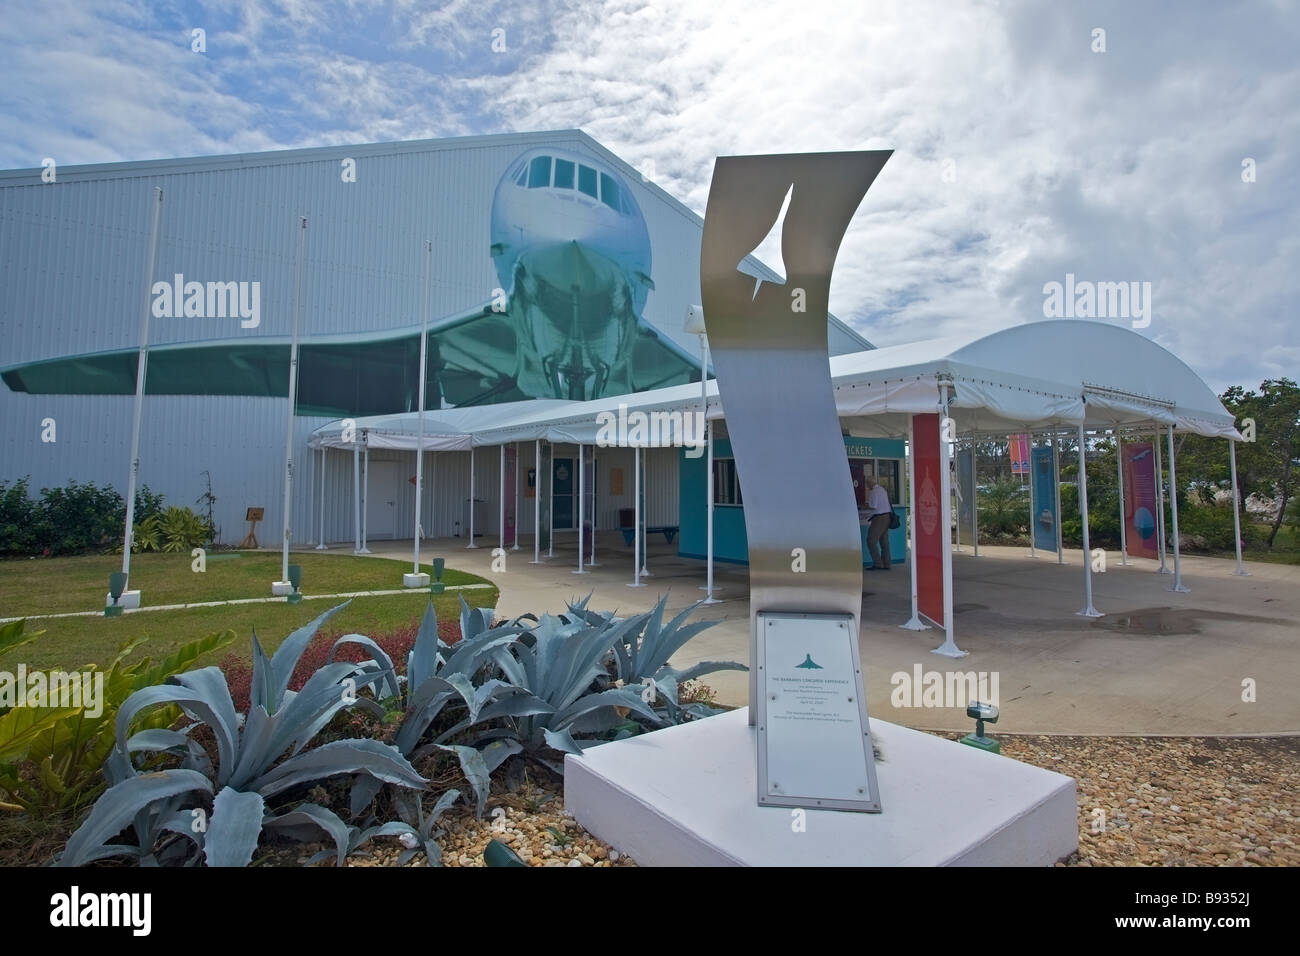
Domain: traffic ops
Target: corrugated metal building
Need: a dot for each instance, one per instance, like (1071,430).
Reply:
(72,283)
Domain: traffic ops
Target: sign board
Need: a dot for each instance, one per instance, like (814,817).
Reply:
(814,742)
(1018,450)
(254,514)
(966,492)
(1140,499)
(1044,518)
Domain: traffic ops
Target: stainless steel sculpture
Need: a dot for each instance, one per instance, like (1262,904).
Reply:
(771,359)
(772,362)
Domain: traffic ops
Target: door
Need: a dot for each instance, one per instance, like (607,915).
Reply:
(381,505)
(563,486)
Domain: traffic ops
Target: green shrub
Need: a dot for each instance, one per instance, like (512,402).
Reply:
(78,518)
(18,517)
(174,530)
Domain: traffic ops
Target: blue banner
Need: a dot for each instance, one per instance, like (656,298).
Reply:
(1043,520)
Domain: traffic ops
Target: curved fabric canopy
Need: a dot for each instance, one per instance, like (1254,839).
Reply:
(1025,378)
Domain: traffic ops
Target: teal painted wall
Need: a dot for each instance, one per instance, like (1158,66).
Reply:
(729,541)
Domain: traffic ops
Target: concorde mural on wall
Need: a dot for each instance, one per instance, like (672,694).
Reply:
(572,255)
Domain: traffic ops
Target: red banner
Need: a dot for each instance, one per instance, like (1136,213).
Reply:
(1140,500)
(929,516)
(1018,449)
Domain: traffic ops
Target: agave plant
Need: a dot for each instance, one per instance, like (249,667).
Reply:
(439,675)
(171,806)
(641,657)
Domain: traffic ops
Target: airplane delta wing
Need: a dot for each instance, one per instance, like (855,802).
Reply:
(478,356)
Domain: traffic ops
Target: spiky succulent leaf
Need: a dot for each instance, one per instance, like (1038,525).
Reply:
(234,829)
(120,804)
(382,761)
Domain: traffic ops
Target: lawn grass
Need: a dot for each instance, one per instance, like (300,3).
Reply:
(73,642)
(52,585)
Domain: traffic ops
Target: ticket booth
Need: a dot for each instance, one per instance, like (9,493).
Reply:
(879,458)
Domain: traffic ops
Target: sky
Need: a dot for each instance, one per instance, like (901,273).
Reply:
(1116,142)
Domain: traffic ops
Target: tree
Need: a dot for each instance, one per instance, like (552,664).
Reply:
(1270,465)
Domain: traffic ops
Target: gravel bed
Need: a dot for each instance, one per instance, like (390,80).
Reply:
(1163,801)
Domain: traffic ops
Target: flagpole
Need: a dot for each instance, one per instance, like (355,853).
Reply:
(284,585)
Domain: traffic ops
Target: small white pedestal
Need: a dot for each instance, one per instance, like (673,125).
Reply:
(281,588)
(129,599)
(410,580)
(687,796)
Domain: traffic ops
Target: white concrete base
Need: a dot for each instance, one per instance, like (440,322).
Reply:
(410,580)
(129,599)
(281,588)
(687,796)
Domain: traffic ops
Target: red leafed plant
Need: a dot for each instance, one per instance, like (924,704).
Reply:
(397,645)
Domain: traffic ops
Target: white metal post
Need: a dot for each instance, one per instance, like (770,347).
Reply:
(419,445)
(1236,513)
(1123,531)
(636,525)
(517,457)
(1088,609)
(324,468)
(595,501)
(1173,506)
(1033,506)
(975,494)
(537,502)
(915,623)
(365,492)
(645,545)
(1056,495)
(949,647)
(1160,502)
(582,502)
(708,588)
(141,368)
(550,512)
(293,399)
(501,500)
(356,495)
(471,499)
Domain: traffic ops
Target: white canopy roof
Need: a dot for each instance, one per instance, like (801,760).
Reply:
(1025,378)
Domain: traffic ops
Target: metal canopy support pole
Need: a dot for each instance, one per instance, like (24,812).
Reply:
(501,495)
(365,493)
(311,525)
(1160,502)
(356,496)
(141,367)
(293,400)
(537,502)
(975,494)
(419,446)
(645,545)
(550,512)
(949,647)
(582,504)
(1173,506)
(595,495)
(708,588)
(471,498)
(636,527)
(324,469)
(1088,609)
(1056,495)
(433,516)
(1123,531)
(915,623)
(1236,513)
(1033,503)
(516,547)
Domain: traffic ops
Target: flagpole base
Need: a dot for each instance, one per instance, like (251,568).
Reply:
(321,547)
(1089,611)
(637,584)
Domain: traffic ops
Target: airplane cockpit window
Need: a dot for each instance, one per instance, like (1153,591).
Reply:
(539,172)
(521,177)
(587,181)
(563,174)
(609,191)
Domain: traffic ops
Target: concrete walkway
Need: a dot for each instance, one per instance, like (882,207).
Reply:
(1158,662)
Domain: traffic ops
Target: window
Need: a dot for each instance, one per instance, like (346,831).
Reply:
(539,172)
(726,482)
(521,179)
(609,191)
(587,181)
(563,174)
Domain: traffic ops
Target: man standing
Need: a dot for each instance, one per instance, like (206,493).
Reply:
(879,511)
